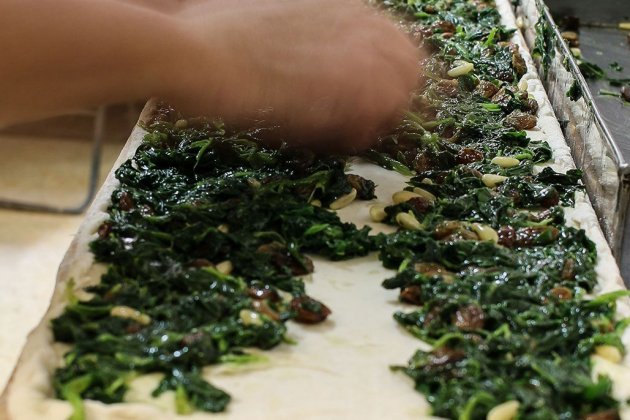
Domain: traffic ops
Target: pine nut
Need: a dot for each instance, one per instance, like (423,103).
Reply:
(223,228)
(250,317)
(130,313)
(181,124)
(461,68)
(253,182)
(491,180)
(344,200)
(316,203)
(377,213)
(425,194)
(403,196)
(408,221)
(504,411)
(610,353)
(505,161)
(225,267)
(485,232)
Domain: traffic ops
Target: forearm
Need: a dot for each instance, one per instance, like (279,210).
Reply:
(60,55)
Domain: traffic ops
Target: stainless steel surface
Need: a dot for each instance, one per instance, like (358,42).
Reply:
(603,46)
(92,182)
(587,10)
(593,145)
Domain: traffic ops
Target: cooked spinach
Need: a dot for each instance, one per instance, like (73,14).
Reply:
(544,47)
(506,312)
(192,202)
(575,91)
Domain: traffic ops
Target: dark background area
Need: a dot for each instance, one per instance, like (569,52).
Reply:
(603,46)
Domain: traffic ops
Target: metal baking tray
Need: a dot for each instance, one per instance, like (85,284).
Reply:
(603,153)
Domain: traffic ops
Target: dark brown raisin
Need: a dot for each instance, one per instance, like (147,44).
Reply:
(568,269)
(507,236)
(443,26)
(126,201)
(191,339)
(446,229)
(422,162)
(503,96)
(540,216)
(551,198)
(531,106)
(411,294)
(201,262)
(611,414)
(420,205)
(364,187)
(561,293)
(104,230)
(468,155)
(308,310)
(263,292)
(486,89)
(521,120)
(518,63)
(263,307)
(146,210)
(445,356)
(432,317)
(281,257)
(531,236)
(469,318)
(429,269)
(448,87)
(133,328)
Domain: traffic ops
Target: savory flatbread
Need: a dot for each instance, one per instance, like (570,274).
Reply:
(338,369)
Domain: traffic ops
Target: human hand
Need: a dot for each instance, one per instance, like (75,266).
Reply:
(331,74)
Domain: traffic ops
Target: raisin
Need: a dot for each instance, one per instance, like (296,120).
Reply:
(308,310)
(469,318)
(411,294)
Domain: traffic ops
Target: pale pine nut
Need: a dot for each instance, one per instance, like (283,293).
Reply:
(250,317)
(505,161)
(344,200)
(491,180)
(504,411)
(485,232)
(377,213)
(408,221)
(403,196)
(225,267)
(610,353)
(461,68)
(425,194)
(130,313)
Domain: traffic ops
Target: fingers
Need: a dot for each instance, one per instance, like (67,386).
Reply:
(334,73)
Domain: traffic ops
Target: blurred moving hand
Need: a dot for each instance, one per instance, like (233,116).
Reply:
(331,73)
